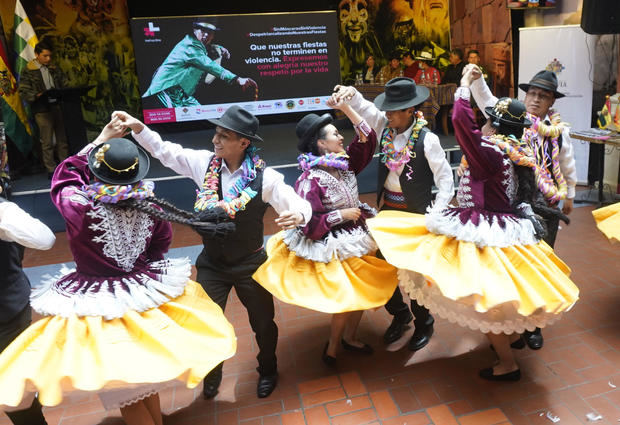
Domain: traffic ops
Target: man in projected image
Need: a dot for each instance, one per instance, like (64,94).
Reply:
(175,81)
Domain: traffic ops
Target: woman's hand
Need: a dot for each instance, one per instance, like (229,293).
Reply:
(343,93)
(127,121)
(111,130)
(350,214)
(289,219)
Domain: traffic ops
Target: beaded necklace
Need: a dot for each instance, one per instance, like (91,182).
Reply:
(238,195)
(394,159)
(113,193)
(339,160)
(551,181)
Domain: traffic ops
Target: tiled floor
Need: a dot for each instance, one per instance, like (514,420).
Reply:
(576,372)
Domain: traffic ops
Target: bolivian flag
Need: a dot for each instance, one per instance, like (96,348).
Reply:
(13,113)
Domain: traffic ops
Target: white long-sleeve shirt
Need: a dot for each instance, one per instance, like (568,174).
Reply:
(484,98)
(434,153)
(16,225)
(193,163)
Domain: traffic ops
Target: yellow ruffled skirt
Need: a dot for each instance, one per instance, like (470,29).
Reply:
(492,289)
(182,339)
(357,283)
(608,221)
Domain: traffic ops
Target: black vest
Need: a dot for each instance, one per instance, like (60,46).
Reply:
(248,235)
(14,285)
(418,190)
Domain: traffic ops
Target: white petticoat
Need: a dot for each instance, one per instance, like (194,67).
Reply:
(503,318)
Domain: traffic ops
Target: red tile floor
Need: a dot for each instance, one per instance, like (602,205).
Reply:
(575,373)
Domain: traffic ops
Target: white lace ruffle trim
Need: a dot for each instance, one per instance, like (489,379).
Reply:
(518,231)
(126,396)
(339,245)
(503,318)
(139,293)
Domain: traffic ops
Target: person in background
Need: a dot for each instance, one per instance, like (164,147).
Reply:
(411,65)
(392,70)
(36,86)
(371,70)
(454,71)
(473,56)
(18,230)
(427,74)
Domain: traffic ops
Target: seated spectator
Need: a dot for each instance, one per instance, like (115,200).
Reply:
(454,71)
(411,65)
(371,70)
(427,74)
(392,70)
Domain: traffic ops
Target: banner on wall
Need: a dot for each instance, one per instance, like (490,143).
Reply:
(571,58)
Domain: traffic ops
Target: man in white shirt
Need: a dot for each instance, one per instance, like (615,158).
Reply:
(234,178)
(18,230)
(411,161)
(551,144)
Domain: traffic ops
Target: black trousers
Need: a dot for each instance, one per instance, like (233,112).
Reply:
(8,332)
(552,231)
(396,306)
(218,279)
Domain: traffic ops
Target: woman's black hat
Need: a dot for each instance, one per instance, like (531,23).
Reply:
(118,161)
(510,112)
(401,93)
(240,121)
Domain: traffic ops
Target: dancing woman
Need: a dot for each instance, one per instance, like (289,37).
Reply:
(484,263)
(329,264)
(127,321)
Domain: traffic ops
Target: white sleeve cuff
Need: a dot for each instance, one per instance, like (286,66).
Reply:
(462,93)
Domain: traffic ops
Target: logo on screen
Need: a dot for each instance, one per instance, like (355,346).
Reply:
(290,104)
(301,102)
(317,100)
(555,66)
(278,105)
(220,109)
(151,30)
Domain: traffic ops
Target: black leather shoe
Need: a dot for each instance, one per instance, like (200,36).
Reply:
(365,349)
(422,335)
(534,340)
(396,329)
(211,384)
(327,359)
(513,376)
(266,385)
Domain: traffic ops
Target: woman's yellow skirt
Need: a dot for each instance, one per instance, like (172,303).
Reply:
(492,289)
(357,283)
(183,339)
(608,221)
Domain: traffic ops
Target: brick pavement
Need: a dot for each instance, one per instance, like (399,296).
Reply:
(574,374)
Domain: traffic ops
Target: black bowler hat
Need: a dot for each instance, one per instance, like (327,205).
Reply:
(401,93)
(118,161)
(240,121)
(546,80)
(309,125)
(509,112)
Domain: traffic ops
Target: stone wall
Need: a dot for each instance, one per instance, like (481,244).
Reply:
(485,25)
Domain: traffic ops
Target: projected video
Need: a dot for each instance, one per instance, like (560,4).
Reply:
(195,67)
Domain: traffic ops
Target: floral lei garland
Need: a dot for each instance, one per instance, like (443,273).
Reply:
(394,159)
(519,153)
(113,193)
(339,160)
(239,194)
(550,182)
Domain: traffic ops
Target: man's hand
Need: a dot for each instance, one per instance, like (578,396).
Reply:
(127,121)
(111,130)
(246,82)
(468,75)
(567,207)
(224,53)
(476,72)
(343,93)
(289,220)
(350,214)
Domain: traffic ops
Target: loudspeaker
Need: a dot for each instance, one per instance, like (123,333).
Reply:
(601,16)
